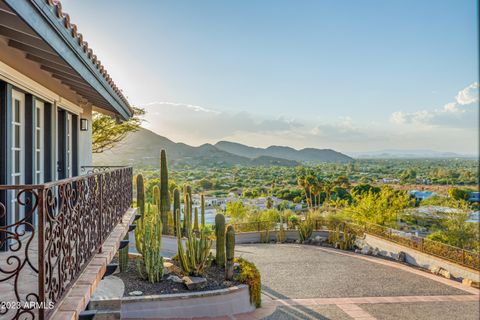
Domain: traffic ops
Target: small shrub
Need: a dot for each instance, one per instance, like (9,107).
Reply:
(305,229)
(250,276)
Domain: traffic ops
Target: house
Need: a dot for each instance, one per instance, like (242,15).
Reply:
(50,83)
(474,197)
(421,195)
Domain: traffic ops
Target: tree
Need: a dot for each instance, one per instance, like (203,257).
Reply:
(236,210)
(107,132)
(456,231)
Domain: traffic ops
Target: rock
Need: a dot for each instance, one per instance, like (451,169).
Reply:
(470,283)
(444,273)
(194,283)
(358,251)
(375,252)
(434,269)
(297,241)
(168,266)
(135,293)
(366,250)
(402,256)
(174,279)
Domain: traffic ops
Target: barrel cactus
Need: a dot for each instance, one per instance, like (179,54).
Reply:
(220,235)
(230,252)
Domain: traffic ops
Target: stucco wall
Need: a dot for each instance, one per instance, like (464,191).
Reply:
(85,140)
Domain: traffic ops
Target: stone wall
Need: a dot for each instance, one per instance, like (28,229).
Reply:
(417,258)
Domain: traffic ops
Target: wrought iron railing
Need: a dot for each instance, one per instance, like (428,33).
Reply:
(444,251)
(57,228)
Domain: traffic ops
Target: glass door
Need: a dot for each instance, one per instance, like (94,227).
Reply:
(18,152)
(39,142)
(69,146)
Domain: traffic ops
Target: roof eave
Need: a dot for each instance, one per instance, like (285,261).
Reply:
(40,16)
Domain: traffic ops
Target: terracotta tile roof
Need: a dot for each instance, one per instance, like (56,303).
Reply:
(57,6)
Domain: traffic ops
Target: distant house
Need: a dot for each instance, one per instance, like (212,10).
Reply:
(474,217)
(421,195)
(474,197)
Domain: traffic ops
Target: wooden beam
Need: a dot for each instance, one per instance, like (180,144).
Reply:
(72,81)
(51,64)
(13,21)
(36,51)
(61,73)
(24,38)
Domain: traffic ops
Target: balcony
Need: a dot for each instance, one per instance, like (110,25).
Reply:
(50,233)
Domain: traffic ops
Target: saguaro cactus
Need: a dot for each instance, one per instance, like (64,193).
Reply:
(230,250)
(151,266)
(123,257)
(164,195)
(220,234)
(202,210)
(141,211)
(156,197)
(140,195)
(176,206)
(195,220)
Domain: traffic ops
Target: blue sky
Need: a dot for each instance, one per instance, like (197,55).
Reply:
(348,75)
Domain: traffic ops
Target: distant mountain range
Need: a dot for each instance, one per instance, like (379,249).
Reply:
(407,154)
(304,155)
(142,148)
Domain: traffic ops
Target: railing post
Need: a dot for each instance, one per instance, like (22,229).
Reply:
(41,252)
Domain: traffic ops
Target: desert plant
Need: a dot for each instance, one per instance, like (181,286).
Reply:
(140,211)
(176,206)
(305,229)
(340,237)
(187,209)
(196,257)
(123,257)
(281,237)
(220,244)
(202,211)
(150,266)
(156,197)
(195,220)
(230,252)
(164,195)
(250,276)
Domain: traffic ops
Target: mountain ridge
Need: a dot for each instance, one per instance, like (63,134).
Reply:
(141,148)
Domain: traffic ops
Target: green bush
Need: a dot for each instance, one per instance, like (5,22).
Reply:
(250,276)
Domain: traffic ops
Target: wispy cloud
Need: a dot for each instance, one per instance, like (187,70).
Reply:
(460,113)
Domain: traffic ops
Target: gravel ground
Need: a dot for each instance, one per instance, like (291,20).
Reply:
(318,312)
(215,280)
(293,271)
(425,311)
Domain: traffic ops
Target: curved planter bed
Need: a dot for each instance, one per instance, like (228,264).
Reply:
(214,303)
